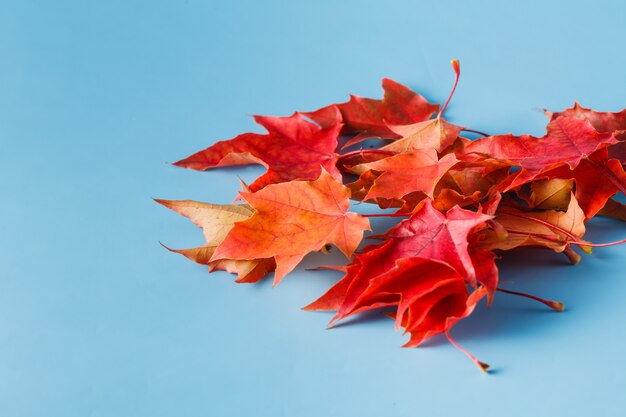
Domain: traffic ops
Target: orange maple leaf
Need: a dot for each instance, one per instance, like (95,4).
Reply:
(293,219)
(407,173)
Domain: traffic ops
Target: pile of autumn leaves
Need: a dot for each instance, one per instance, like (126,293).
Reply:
(458,202)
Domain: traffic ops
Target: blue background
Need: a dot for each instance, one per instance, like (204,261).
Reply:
(97,319)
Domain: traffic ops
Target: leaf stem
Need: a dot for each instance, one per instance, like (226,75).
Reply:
(363,152)
(386,215)
(476,131)
(597,245)
(551,238)
(555,305)
(456,66)
(555,239)
(543,222)
(482,365)
(574,258)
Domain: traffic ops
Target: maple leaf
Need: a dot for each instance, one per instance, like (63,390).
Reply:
(465,184)
(597,178)
(418,171)
(550,228)
(430,298)
(437,134)
(216,220)
(293,219)
(439,312)
(361,187)
(428,233)
(605,122)
(432,234)
(567,142)
(370,117)
(416,286)
(423,133)
(293,149)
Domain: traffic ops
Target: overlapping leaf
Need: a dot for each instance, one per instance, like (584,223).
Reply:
(368,117)
(216,220)
(606,122)
(427,234)
(437,134)
(567,142)
(403,174)
(293,219)
(549,228)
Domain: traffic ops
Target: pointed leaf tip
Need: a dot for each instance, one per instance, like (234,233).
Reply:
(166,247)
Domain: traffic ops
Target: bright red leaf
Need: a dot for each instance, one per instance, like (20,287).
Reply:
(371,118)
(293,149)
(426,234)
(567,142)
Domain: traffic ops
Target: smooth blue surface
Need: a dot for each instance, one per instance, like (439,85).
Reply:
(96,319)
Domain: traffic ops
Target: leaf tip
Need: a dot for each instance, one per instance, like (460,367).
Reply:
(171,249)
(180,164)
(332,322)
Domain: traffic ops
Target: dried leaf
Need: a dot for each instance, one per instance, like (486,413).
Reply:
(216,220)
(550,228)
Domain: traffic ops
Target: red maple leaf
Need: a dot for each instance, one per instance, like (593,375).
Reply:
(605,122)
(597,179)
(293,149)
(567,142)
(418,171)
(420,288)
(371,118)
(426,234)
